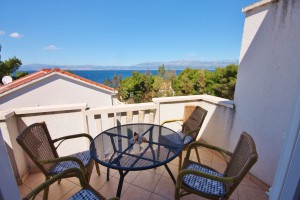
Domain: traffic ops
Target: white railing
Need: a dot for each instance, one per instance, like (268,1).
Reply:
(102,118)
(70,119)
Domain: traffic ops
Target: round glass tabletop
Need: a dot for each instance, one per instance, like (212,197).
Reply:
(136,146)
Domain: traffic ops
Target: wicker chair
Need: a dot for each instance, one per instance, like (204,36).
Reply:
(191,124)
(37,143)
(87,192)
(205,181)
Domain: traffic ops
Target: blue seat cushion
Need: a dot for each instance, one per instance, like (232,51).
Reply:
(174,138)
(188,139)
(84,156)
(84,194)
(204,185)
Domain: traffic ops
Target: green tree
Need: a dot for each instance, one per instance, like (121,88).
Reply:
(9,66)
(157,84)
(137,88)
(221,82)
(161,71)
(20,74)
(115,82)
(189,82)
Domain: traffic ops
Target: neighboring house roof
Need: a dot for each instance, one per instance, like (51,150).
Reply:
(45,73)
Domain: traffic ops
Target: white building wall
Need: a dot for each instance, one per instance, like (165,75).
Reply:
(61,121)
(217,124)
(56,90)
(268,80)
(8,186)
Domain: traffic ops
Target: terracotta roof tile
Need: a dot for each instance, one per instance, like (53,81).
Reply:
(44,72)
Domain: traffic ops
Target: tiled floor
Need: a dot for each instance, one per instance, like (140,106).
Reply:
(153,184)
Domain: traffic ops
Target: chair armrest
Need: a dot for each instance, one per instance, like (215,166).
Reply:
(71,137)
(225,180)
(171,120)
(196,144)
(55,178)
(201,144)
(66,158)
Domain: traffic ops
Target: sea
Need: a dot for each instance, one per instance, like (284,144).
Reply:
(100,76)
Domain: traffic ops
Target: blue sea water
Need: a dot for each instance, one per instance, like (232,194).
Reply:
(100,76)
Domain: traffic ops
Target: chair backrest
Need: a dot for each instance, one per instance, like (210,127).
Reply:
(243,158)
(193,119)
(37,143)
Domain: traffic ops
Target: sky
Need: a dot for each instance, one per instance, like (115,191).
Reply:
(120,32)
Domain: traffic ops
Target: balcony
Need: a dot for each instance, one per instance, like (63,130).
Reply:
(150,184)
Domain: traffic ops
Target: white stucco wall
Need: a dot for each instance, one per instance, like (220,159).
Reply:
(268,81)
(217,123)
(8,186)
(60,120)
(56,90)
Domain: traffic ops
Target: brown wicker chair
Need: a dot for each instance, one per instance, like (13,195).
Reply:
(205,181)
(191,124)
(37,143)
(87,192)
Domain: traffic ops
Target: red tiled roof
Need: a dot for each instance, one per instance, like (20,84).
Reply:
(44,72)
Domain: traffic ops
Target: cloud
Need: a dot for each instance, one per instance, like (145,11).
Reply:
(51,47)
(16,35)
(2,32)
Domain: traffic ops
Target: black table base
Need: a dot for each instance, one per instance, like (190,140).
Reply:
(124,173)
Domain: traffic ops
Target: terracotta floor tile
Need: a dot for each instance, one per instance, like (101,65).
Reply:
(175,161)
(97,181)
(109,189)
(218,167)
(147,180)
(249,193)
(103,170)
(192,197)
(93,176)
(129,177)
(34,179)
(58,191)
(74,180)
(24,190)
(249,183)
(218,159)
(134,192)
(205,155)
(234,195)
(142,184)
(206,163)
(174,170)
(158,170)
(157,197)
(165,188)
(71,192)
(195,159)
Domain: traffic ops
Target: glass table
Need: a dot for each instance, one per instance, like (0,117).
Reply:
(133,147)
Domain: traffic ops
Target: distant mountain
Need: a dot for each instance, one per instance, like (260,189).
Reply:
(179,65)
(182,64)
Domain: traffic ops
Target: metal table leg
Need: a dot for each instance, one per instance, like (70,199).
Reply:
(122,175)
(170,173)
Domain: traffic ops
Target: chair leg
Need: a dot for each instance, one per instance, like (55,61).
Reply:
(46,191)
(97,168)
(177,194)
(107,175)
(180,161)
(197,153)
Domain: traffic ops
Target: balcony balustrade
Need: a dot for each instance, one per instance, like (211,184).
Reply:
(77,118)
